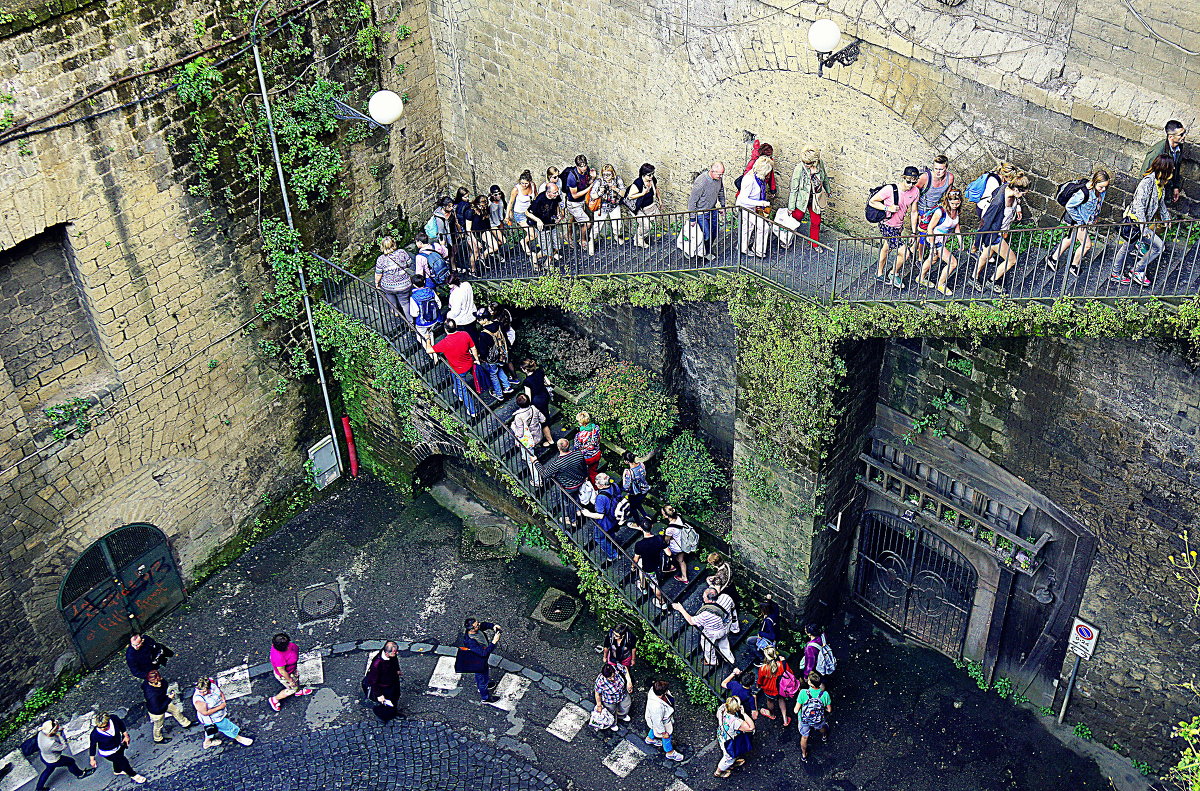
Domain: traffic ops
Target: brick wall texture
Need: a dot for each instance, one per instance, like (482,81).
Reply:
(1057,89)
(119,281)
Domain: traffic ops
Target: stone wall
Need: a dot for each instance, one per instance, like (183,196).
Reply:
(1057,90)
(1108,431)
(124,280)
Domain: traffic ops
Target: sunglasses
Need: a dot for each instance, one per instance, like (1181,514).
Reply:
(910,181)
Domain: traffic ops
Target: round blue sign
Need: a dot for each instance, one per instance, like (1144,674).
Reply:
(1084,632)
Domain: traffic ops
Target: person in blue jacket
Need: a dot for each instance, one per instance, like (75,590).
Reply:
(474,649)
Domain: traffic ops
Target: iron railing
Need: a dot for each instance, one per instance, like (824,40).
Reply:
(843,269)
(360,300)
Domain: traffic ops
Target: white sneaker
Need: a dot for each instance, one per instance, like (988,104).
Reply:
(139,779)
(245,741)
(675,755)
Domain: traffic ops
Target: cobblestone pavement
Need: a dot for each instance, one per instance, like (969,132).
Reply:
(368,757)
(905,719)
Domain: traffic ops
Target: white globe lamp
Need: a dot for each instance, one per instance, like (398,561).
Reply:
(824,35)
(386,107)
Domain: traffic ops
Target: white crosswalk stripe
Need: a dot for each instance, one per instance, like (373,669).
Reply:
(568,722)
(22,771)
(510,690)
(234,682)
(444,679)
(624,759)
(78,732)
(311,670)
(679,785)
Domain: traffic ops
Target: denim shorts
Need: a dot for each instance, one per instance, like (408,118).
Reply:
(519,217)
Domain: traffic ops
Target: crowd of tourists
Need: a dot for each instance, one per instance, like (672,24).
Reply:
(917,217)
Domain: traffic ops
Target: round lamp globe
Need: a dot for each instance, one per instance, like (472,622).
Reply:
(385,107)
(824,35)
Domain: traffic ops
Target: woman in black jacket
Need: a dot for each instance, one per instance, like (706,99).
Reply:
(110,738)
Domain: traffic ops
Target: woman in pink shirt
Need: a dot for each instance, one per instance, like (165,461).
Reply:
(285,657)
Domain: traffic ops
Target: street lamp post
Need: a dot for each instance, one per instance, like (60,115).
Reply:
(824,35)
(385,108)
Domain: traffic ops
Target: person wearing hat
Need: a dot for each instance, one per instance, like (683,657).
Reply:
(51,745)
(474,648)
(160,703)
(896,203)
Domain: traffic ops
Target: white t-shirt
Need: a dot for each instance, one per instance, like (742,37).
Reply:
(461,309)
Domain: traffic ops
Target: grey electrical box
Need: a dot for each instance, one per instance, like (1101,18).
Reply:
(324,462)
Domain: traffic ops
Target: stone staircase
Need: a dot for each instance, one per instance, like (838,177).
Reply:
(359,300)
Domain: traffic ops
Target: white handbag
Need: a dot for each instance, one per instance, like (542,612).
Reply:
(691,239)
(790,225)
(601,719)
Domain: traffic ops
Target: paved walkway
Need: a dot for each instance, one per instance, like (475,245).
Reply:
(905,718)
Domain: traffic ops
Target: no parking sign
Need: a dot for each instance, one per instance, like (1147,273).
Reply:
(1083,639)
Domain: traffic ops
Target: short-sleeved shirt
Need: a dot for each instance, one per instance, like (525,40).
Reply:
(650,551)
(287,659)
(742,694)
(545,209)
(611,690)
(457,348)
(905,199)
(576,181)
(643,201)
(392,269)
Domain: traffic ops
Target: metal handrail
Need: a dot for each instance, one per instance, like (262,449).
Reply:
(549,495)
(828,274)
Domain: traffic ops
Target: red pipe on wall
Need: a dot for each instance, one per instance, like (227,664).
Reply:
(350,446)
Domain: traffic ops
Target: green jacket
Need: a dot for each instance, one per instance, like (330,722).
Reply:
(802,186)
(1158,149)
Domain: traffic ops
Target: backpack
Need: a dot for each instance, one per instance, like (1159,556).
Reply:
(826,661)
(432,228)
(789,685)
(879,215)
(812,710)
(689,539)
(428,313)
(587,493)
(29,747)
(715,609)
(737,183)
(438,269)
(622,511)
(1068,189)
(977,188)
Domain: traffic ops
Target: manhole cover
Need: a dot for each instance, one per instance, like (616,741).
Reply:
(319,601)
(560,609)
(556,609)
(489,535)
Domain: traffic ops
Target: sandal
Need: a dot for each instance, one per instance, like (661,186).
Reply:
(302,692)
(739,762)
(767,714)
(721,774)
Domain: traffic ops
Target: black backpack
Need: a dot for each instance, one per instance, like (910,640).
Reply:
(879,215)
(1068,190)
(29,747)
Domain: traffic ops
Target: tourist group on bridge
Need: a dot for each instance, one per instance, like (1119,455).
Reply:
(919,217)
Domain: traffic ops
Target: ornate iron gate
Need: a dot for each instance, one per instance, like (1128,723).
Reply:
(914,580)
(125,581)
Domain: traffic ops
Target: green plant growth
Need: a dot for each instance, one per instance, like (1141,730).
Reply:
(690,475)
(631,406)
(196,82)
(37,702)
(1082,731)
(532,536)
(72,415)
(569,360)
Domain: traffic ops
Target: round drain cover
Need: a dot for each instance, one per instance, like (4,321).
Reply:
(489,535)
(319,602)
(560,609)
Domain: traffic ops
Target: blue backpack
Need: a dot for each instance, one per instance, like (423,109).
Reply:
(428,312)
(439,270)
(975,190)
